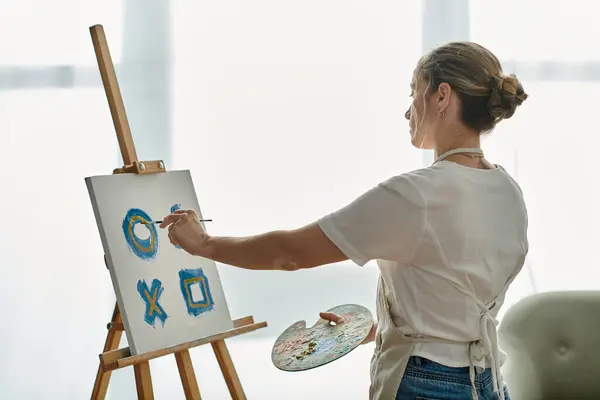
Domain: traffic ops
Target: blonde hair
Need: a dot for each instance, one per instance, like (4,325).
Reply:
(486,95)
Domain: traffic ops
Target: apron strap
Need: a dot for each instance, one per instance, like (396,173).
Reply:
(487,346)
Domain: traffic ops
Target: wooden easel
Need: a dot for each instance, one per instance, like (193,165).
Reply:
(111,357)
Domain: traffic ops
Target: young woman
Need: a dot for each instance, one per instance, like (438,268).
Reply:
(449,239)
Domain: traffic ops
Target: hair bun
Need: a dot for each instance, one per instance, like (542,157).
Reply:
(506,95)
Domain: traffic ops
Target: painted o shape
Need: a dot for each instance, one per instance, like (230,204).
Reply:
(147,248)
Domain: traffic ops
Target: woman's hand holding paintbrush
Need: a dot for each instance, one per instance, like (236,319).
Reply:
(337,319)
(187,231)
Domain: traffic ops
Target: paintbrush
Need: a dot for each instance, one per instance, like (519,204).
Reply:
(160,222)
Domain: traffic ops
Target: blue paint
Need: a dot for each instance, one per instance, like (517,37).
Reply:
(174,208)
(195,277)
(151,297)
(144,248)
(325,345)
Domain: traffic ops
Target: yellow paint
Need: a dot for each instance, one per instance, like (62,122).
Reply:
(131,235)
(187,284)
(152,302)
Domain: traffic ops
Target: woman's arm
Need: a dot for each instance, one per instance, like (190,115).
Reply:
(386,222)
(306,247)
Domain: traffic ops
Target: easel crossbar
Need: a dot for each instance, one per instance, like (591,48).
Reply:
(120,358)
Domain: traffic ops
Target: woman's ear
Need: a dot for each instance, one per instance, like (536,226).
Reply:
(444,93)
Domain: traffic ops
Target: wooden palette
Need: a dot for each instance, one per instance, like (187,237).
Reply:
(300,348)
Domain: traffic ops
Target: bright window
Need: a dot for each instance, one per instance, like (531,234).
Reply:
(537,30)
(50,139)
(548,145)
(550,148)
(42,33)
(58,293)
(285,112)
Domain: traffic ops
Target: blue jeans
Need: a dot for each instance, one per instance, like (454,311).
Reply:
(428,380)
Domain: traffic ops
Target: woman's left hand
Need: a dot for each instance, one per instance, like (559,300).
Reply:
(338,319)
(186,231)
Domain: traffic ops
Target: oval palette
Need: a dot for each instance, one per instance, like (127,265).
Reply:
(300,348)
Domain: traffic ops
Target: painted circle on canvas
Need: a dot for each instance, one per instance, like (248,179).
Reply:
(144,247)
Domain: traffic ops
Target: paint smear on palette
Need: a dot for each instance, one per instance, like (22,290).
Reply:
(151,297)
(174,208)
(300,348)
(195,289)
(143,247)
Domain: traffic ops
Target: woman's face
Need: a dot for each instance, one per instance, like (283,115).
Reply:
(421,116)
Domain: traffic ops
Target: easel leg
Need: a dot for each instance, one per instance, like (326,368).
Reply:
(188,377)
(229,373)
(143,381)
(112,342)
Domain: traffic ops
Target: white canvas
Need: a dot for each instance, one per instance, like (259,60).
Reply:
(156,316)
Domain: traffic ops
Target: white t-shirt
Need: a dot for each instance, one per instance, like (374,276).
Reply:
(427,228)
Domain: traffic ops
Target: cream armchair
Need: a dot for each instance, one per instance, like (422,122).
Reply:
(553,346)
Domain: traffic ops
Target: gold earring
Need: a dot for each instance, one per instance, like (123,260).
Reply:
(441,114)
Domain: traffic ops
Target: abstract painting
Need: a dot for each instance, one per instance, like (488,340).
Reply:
(143,247)
(166,296)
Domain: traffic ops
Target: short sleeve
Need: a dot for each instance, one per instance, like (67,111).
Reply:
(387,223)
